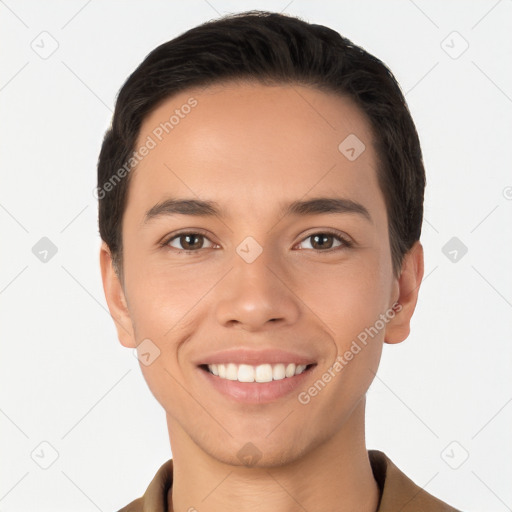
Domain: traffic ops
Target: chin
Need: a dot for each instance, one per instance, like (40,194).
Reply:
(258,452)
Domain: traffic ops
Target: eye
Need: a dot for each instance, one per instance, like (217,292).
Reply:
(189,242)
(324,241)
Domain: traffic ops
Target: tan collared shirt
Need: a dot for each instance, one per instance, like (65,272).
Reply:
(398,493)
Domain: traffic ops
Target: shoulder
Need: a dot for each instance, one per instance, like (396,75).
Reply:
(135,506)
(155,497)
(398,492)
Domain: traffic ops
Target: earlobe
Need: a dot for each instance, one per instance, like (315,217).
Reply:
(398,329)
(116,300)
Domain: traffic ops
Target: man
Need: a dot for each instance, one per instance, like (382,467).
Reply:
(260,205)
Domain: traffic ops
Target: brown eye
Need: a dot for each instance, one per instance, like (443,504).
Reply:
(191,241)
(324,241)
(321,241)
(188,242)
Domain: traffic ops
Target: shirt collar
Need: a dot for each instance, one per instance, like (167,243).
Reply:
(397,491)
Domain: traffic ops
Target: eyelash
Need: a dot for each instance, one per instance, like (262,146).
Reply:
(346,243)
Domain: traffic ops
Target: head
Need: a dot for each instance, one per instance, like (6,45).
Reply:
(245,116)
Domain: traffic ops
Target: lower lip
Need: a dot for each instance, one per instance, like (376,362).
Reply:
(256,392)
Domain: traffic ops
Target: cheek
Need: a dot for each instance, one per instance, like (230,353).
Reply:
(167,306)
(162,297)
(349,301)
(162,310)
(348,296)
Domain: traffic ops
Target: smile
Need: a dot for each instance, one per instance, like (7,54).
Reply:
(262,373)
(259,384)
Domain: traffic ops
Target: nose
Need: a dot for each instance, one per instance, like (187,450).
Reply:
(256,295)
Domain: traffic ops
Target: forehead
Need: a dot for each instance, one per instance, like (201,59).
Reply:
(250,144)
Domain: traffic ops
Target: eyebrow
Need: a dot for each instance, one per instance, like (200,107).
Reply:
(200,208)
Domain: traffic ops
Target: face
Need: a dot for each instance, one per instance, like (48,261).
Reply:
(271,274)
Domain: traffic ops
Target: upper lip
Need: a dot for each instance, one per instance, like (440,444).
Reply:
(255,357)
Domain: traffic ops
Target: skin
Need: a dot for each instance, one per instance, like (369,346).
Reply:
(251,147)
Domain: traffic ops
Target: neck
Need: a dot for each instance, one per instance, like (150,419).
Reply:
(336,475)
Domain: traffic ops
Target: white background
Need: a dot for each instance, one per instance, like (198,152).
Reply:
(65,379)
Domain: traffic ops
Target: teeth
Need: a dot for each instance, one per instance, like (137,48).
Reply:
(300,368)
(278,372)
(245,373)
(290,370)
(232,372)
(260,373)
(263,373)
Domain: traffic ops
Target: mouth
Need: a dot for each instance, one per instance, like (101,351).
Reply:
(256,384)
(261,373)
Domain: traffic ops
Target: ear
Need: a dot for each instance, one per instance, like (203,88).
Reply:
(408,284)
(116,300)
